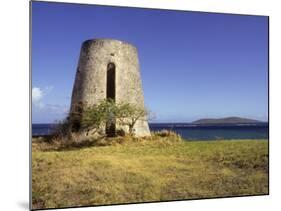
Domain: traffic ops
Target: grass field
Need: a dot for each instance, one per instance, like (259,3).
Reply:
(149,171)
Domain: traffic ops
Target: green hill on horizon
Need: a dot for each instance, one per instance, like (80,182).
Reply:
(227,120)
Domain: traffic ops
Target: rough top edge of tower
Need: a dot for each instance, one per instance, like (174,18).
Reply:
(111,40)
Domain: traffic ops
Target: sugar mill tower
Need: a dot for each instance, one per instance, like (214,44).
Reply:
(109,69)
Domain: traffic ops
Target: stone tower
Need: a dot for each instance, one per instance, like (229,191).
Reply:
(109,69)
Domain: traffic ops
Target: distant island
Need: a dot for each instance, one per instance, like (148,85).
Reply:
(227,120)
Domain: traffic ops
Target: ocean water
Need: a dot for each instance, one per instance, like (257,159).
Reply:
(215,132)
(190,131)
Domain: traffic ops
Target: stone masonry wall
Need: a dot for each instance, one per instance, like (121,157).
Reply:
(90,82)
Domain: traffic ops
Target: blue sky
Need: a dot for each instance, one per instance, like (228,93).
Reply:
(193,65)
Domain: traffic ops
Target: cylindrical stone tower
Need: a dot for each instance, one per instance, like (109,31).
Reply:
(109,69)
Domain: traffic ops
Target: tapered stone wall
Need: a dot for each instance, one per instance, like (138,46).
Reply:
(90,85)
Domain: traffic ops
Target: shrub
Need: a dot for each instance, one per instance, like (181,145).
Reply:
(107,112)
(63,129)
(168,135)
(100,114)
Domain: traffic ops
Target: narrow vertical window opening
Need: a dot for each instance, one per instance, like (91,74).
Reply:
(110,94)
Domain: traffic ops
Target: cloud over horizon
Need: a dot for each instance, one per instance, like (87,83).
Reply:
(37,96)
(40,105)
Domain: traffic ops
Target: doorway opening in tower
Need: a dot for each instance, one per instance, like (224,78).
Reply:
(110,94)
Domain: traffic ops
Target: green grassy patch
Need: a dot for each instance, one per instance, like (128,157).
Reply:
(147,171)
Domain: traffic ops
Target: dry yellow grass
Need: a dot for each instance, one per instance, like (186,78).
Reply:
(147,171)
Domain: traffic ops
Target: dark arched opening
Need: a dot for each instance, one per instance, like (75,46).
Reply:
(110,94)
(110,82)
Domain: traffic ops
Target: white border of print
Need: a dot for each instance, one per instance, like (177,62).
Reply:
(14,86)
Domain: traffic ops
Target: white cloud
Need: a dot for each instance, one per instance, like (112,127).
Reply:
(39,104)
(37,94)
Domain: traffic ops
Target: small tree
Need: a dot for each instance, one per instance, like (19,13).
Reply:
(95,116)
(107,112)
(128,114)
